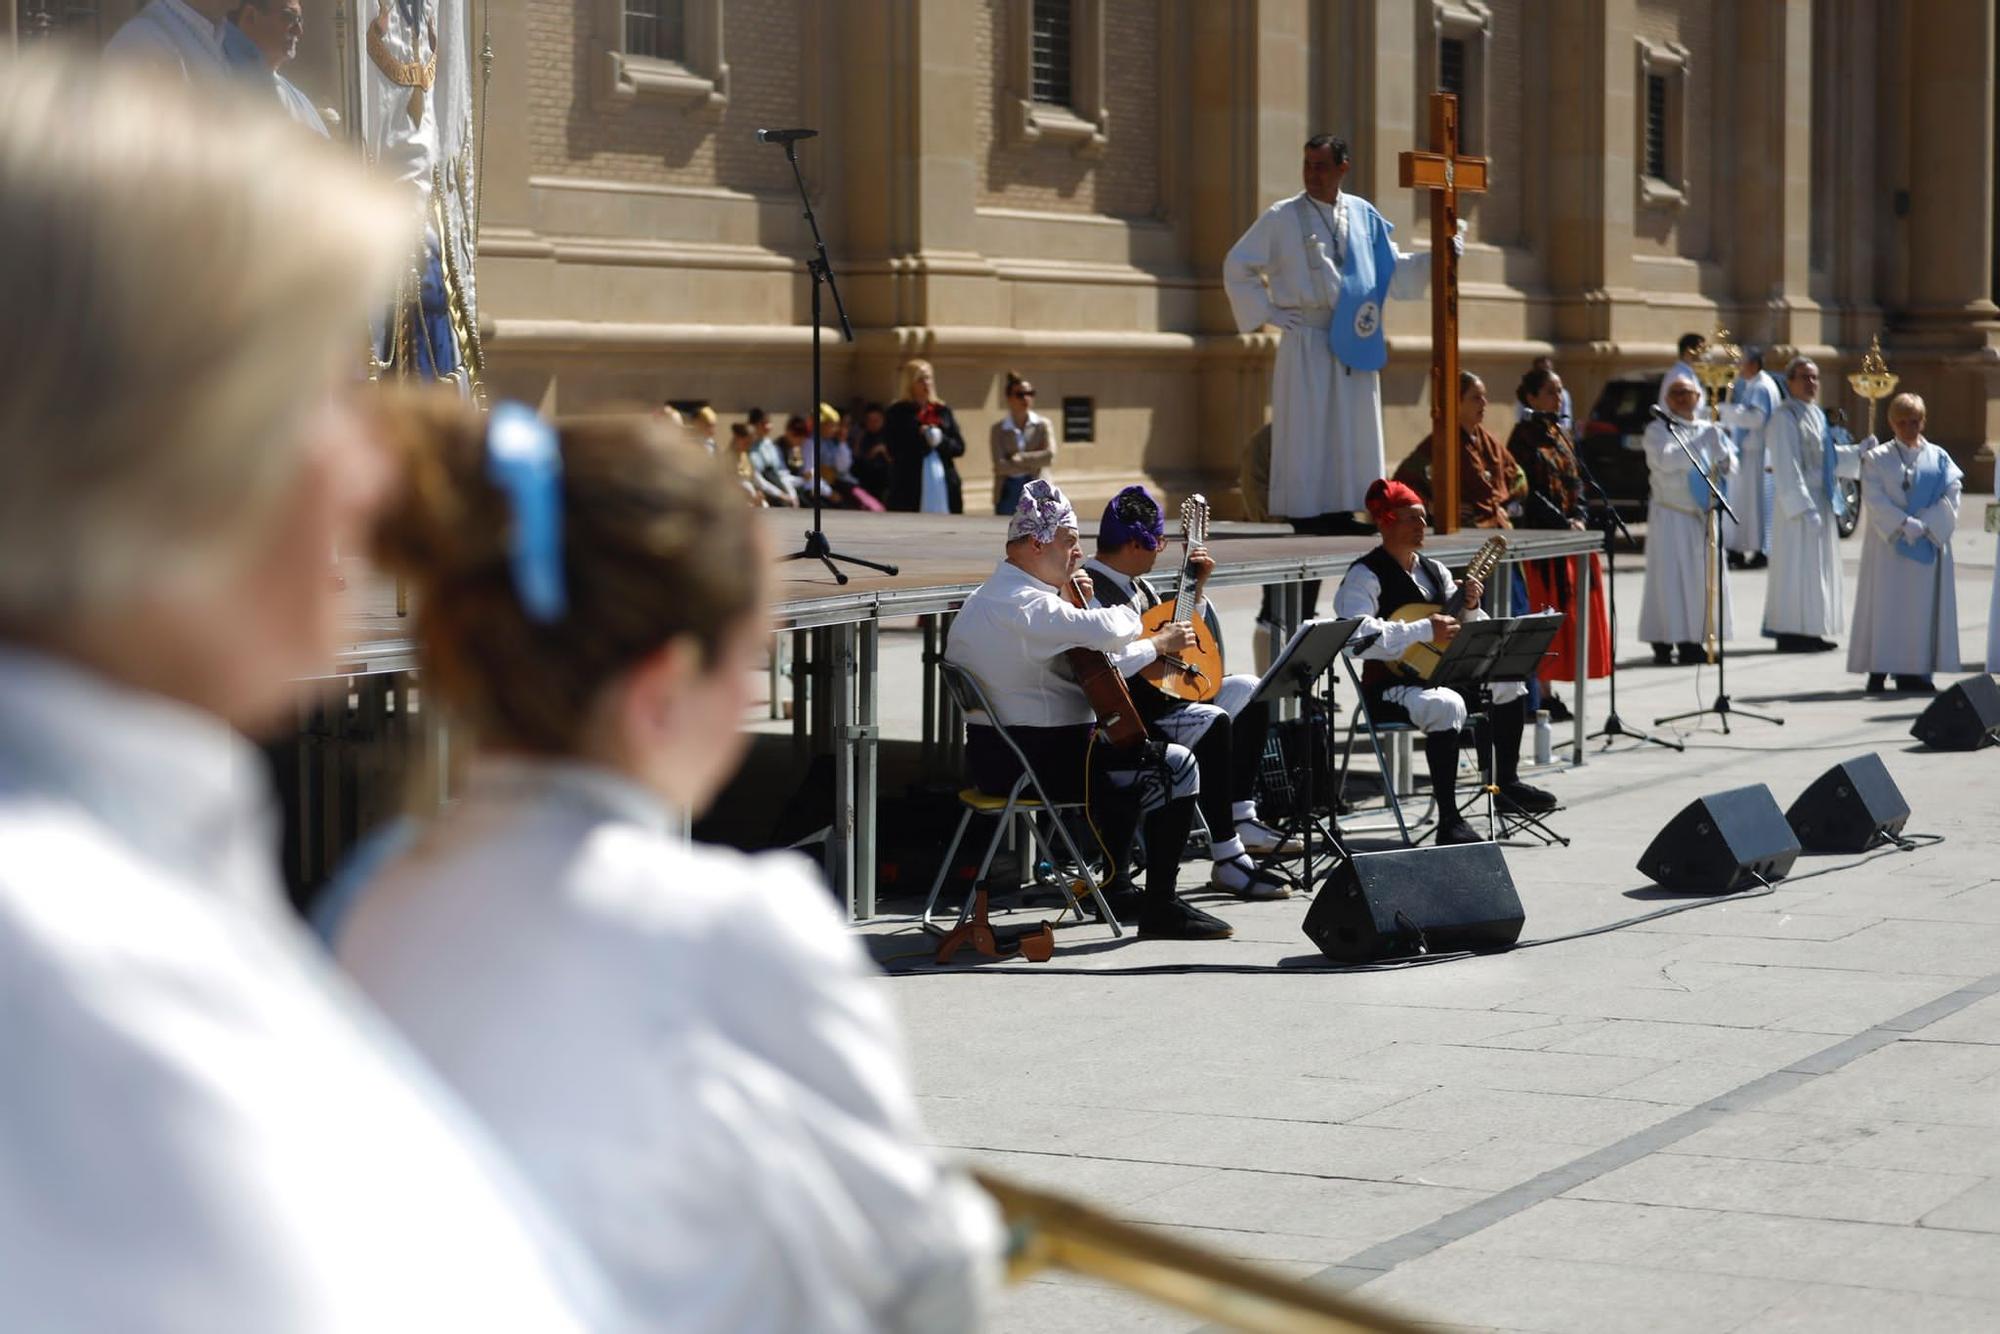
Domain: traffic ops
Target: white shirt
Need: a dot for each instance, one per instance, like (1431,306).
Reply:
(169,31)
(203,1128)
(1360,594)
(685,1049)
(1011,634)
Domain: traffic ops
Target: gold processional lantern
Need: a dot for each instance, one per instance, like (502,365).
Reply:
(1873,381)
(1716,367)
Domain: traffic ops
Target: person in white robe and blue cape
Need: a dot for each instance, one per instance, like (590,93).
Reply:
(1753,397)
(1676,610)
(1803,603)
(683,1046)
(1905,605)
(1318,267)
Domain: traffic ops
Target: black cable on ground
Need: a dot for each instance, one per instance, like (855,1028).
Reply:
(1899,844)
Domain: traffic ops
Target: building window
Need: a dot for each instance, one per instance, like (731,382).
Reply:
(1656,126)
(1662,127)
(1079,421)
(656,29)
(1054,53)
(1050,53)
(1458,37)
(660,51)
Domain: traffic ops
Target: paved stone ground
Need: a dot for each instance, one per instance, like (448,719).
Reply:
(1770,1113)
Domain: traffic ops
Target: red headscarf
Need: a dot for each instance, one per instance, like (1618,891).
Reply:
(1386,496)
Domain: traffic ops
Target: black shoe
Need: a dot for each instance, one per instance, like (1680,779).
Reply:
(1456,830)
(1814,644)
(1663,655)
(1557,710)
(1179,920)
(1758,562)
(1692,655)
(1795,644)
(1915,685)
(1878,682)
(1737,560)
(1531,799)
(1121,896)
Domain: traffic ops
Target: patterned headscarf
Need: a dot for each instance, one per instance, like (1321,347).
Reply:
(1042,511)
(1132,516)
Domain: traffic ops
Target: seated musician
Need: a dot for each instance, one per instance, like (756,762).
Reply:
(1395,575)
(1227,735)
(1012,634)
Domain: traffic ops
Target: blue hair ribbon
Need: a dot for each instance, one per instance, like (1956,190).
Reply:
(525,462)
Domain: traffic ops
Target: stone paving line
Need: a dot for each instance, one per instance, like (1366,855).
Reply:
(1768,1113)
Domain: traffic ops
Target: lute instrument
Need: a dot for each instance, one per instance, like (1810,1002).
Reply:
(1118,721)
(1195,673)
(1420,660)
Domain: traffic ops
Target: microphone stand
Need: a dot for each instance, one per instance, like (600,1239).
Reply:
(1614,524)
(817,547)
(1722,708)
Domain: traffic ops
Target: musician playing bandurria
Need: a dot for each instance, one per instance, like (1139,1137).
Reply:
(1011,635)
(1395,575)
(1227,736)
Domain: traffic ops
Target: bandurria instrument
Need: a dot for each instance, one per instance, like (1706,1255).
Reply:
(1047,1231)
(1118,721)
(1420,660)
(1195,673)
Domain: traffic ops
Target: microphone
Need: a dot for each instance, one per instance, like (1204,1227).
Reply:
(785,136)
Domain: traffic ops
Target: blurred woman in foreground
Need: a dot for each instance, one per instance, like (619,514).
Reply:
(681,1044)
(202,1128)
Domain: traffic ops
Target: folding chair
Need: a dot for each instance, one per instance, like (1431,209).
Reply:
(1399,735)
(1026,799)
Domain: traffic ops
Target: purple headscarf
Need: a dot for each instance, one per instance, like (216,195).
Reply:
(1133,516)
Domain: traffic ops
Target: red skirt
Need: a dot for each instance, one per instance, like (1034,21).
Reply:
(1552,583)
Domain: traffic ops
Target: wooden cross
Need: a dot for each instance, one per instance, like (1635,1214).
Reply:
(1445,174)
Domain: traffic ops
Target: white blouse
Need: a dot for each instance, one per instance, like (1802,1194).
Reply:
(685,1049)
(202,1127)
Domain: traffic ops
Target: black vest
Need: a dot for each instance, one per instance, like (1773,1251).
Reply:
(1399,590)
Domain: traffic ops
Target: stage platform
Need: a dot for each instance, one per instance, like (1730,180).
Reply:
(941,559)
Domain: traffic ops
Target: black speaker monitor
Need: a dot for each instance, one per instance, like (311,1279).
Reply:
(1723,842)
(1849,808)
(1964,717)
(1382,905)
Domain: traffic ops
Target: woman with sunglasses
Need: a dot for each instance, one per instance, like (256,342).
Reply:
(1023,445)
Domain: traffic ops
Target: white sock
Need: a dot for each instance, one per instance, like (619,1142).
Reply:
(1234,872)
(1240,811)
(1223,850)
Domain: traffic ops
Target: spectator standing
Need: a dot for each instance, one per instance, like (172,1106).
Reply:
(260,38)
(1024,446)
(924,444)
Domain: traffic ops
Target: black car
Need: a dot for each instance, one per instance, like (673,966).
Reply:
(1612,445)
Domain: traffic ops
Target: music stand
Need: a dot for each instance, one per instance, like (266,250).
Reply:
(1293,674)
(1498,651)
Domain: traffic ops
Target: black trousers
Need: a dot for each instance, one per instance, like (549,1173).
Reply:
(1114,783)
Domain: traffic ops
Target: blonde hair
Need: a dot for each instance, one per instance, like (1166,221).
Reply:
(657,545)
(1907,403)
(911,370)
(178,267)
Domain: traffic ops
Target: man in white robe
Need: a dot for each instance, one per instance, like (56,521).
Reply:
(1905,608)
(1752,400)
(1803,603)
(1690,347)
(1677,609)
(1317,266)
(184,34)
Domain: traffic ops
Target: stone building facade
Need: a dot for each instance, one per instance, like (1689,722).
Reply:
(1051,187)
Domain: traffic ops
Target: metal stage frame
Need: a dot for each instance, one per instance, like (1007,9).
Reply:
(836,633)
